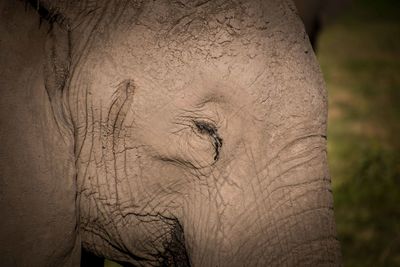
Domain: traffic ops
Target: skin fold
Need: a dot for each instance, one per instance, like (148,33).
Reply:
(181,133)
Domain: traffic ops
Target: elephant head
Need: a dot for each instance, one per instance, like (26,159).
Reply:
(197,131)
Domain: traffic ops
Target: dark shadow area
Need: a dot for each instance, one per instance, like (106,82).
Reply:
(90,260)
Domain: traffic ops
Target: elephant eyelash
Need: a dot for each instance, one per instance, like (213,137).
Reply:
(204,127)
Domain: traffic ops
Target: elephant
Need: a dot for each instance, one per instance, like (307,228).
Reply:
(162,133)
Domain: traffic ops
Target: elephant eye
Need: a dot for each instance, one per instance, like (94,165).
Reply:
(211,130)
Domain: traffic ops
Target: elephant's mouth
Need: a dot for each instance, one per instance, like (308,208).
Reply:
(137,250)
(175,250)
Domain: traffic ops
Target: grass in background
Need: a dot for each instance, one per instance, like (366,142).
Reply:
(360,58)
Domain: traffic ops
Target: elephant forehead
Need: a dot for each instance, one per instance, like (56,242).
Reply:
(185,33)
(237,41)
(243,51)
(172,15)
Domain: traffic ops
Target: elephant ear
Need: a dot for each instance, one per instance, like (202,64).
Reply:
(63,17)
(67,13)
(39,220)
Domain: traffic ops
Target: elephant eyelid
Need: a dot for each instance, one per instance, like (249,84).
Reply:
(210,129)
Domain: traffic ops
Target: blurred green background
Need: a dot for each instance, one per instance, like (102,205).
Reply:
(359,53)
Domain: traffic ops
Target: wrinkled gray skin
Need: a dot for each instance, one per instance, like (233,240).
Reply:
(163,133)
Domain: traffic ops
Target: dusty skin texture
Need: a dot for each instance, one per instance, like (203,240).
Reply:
(163,133)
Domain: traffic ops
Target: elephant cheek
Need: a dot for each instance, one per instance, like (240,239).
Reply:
(279,215)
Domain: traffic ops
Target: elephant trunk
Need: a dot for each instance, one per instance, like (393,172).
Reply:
(278,214)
